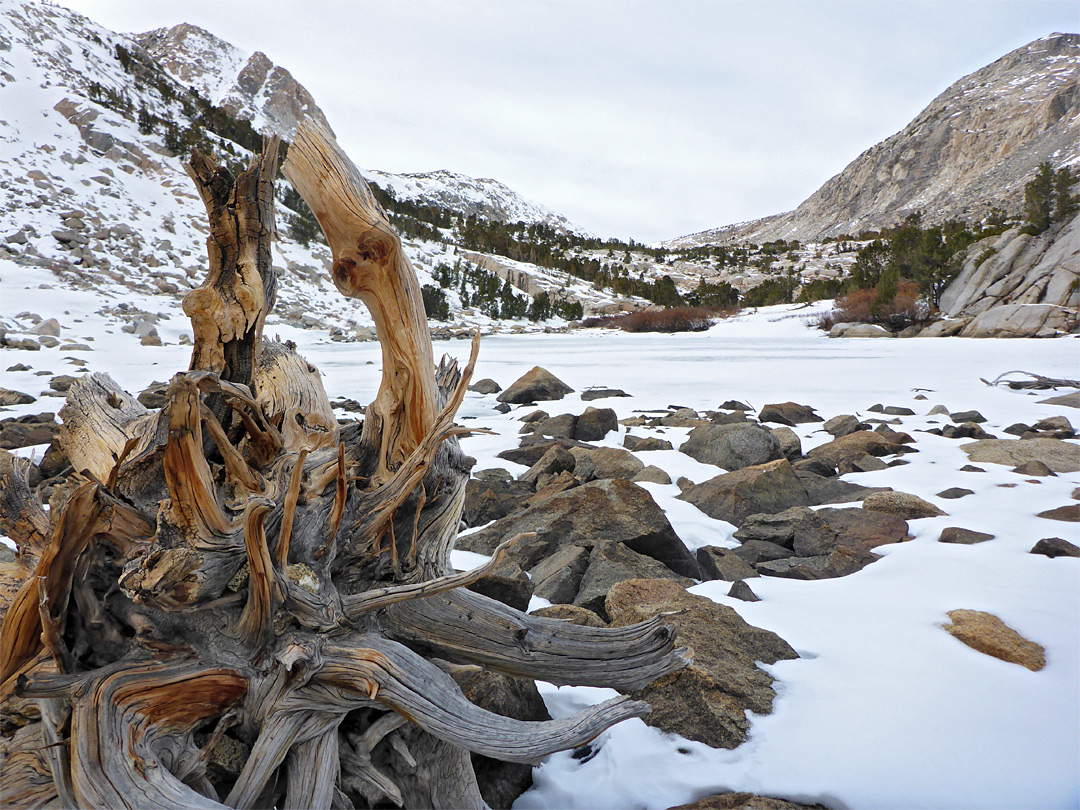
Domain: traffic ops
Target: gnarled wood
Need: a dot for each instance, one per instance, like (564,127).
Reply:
(370,264)
(237,572)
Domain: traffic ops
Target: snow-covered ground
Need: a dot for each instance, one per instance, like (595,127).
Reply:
(883,709)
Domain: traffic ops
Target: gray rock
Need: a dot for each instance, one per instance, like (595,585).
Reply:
(51,327)
(901,504)
(594,424)
(652,475)
(558,577)
(613,564)
(790,443)
(859,330)
(1035,468)
(605,462)
(952,493)
(732,446)
(507,584)
(788,413)
(553,462)
(843,424)
(9,397)
(755,552)
(740,590)
(723,563)
(485,386)
(590,394)
(762,488)
(592,515)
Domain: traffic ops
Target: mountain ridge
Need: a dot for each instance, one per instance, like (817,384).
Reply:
(973,147)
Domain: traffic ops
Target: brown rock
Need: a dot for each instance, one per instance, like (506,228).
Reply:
(762,488)
(572,614)
(485,386)
(536,385)
(745,801)
(732,446)
(1060,456)
(964,537)
(594,424)
(902,504)
(988,634)
(640,444)
(708,700)
(1055,547)
(613,564)
(598,463)
(1069,513)
(853,445)
(723,563)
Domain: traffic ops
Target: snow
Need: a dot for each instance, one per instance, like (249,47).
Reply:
(883,709)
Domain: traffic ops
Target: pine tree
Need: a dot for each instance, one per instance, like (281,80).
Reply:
(1039,200)
(1065,204)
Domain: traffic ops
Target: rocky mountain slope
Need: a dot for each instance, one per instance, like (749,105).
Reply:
(94,130)
(973,148)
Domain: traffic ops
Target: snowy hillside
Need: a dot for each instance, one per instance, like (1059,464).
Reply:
(469,196)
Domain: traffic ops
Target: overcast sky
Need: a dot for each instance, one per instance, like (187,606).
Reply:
(648,120)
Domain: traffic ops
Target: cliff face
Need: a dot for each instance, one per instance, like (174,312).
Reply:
(974,147)
(1019,285)
(250,87)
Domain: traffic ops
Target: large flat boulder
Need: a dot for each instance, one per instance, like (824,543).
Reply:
(761,488)
(708,700)
(592,515)
(1018,321)
(1060,456)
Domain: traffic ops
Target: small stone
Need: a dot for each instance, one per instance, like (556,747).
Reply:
(639,444)
(735,405)
(8,397)
(842,425)
(485,386)
(1017,429)
(903,504)
(971,468)
(740,590)
(938,410)
(964,537)
(1055,547)
(1034,467)
(723,563)
(653,475)
(952,493)
(590,394)
(959,417)
(1068,514)
(988,634)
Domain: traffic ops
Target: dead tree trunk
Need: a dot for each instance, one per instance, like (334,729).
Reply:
(234,575)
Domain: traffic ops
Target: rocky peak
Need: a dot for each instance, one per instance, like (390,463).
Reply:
(972,148)
(249,86)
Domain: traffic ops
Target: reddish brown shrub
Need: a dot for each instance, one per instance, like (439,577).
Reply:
(863,306)
(676,319)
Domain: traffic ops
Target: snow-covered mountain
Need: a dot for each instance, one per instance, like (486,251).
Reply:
(972,149)
(478,197)
(252,88)
(94,128)
(249,86)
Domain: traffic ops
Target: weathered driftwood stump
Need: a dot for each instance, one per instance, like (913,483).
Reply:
(235,576)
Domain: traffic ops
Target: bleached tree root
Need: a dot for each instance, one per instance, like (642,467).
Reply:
(237,573)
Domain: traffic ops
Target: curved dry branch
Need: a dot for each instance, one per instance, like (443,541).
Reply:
(22,517)
(419,690)
(466,627)
(361,604)
(131,743)
(369,264)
